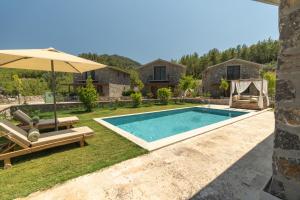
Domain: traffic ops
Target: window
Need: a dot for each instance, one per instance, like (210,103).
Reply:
(90,74)
(160,73)
(233,72)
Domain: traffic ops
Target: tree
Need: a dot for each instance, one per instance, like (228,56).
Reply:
(225,56)
(238,51)
(244,52)
(263,52)
(34,86)
(224,85)
(232,53)
(271,78)
(213,56)
(88,95)
(18,86)
(135,81)
(187,83)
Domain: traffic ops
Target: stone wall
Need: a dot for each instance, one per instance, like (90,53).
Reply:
(224,101)
(173,71)
(285,182)
(212,76)
(63,106)
(173,74)
(116,90)
(111,80)
(27,99)
(107,75)
(112,76)
(105,90)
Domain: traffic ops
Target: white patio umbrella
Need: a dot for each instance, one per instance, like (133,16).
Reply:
(46,60)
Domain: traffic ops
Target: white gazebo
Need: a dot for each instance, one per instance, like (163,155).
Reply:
(241,86)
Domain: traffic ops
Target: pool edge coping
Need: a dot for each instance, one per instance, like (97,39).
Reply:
(151,146)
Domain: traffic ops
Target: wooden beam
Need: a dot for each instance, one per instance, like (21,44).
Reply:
(272,2)
(7,163)
(40,148)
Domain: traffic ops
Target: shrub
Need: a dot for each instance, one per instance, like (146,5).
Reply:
(177,91)
(224,86)
(88,95)
(3,115)
(136,99)
(194,94)
(18,86)
(127,93)
(164,95)
(149,95)
(207,94)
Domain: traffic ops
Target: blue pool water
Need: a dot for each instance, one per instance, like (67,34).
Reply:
(154,126)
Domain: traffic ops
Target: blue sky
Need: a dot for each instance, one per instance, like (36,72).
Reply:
(140,29)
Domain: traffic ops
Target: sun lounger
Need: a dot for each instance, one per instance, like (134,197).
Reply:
(26,121)
(17,137)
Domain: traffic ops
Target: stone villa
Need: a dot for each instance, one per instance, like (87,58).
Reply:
(112,81)
(160,73)
(234,69)
(109,81)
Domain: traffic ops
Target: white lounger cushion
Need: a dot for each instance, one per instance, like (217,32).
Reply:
(63,135)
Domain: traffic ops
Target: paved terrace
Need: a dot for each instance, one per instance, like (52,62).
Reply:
(232,162)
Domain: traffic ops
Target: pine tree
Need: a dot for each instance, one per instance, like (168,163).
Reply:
(264,52)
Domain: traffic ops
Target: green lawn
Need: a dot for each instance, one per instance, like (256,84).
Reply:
(43,170)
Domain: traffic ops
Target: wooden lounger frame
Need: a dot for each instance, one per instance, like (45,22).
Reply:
(7,151)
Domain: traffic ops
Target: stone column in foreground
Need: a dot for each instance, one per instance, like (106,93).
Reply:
(286,158)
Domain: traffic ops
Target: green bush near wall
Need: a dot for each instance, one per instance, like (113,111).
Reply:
(136,99)
(164,95)
(88,95)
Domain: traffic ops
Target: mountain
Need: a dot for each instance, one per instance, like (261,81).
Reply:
(112,60)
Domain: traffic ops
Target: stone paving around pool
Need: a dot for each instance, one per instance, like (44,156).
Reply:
(233,162)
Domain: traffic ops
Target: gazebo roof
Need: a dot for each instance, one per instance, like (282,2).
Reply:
(273,2)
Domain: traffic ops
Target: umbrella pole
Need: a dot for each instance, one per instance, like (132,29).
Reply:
(54,94)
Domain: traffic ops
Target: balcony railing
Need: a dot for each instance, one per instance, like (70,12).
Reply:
(81,81)
(152,80)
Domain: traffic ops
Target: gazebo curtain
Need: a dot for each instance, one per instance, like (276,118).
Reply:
(262,87)
(232,89)
(265,91)
(241,85)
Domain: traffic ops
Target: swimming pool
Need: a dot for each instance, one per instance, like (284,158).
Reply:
(153,129)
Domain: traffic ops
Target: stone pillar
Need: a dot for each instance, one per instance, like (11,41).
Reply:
(285,182)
